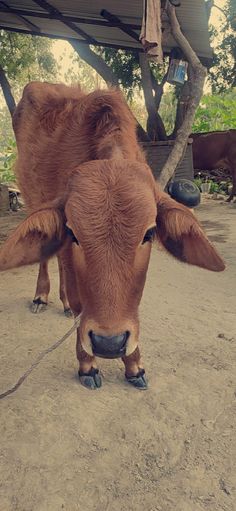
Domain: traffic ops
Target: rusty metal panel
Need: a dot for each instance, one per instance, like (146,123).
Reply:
(157,154)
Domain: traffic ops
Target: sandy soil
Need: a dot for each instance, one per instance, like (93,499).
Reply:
(171,448)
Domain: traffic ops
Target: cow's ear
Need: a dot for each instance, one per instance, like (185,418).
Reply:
(37,238)
(181,234)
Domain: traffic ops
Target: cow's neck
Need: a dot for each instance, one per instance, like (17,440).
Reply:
(115,146)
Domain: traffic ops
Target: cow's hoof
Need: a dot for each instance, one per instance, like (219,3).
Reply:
(139,381)
(68,312)
(38,305)
(92,380)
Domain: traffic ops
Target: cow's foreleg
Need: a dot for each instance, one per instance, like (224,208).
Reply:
(134,372)
(62,288)
(40,300)
(232,194)
(88,372)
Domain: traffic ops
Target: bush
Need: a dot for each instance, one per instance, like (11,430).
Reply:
(7,163)
(214,187)
(221,187)
(198,182)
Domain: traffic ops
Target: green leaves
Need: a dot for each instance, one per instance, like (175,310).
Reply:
(216,112)
(125,64)
(7,162)
(223,72)
(25,57)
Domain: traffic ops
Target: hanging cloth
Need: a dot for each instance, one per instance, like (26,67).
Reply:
(150,35)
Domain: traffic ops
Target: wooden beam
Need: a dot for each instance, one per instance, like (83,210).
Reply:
(204,60)
(53,16)
(69,39)
(119,24)
(52,10)
(6,8)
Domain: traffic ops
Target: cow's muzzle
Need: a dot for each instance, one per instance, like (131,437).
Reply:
(109,347)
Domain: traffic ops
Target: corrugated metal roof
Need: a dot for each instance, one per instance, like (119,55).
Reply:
(32,16)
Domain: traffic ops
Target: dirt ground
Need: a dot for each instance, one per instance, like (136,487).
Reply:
(171,448)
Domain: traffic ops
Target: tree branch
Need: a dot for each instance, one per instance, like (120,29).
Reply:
(197,78)
(182,106)
(158,89)
(6,89)
(96,62)
(155,125)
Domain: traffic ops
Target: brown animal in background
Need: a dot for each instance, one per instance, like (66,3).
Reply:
(99,217)
(214,150)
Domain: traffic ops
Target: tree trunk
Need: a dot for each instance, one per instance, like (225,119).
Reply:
(196,79)
(182,106)
(6,89)
(155,126)
(158,89)
(141,134)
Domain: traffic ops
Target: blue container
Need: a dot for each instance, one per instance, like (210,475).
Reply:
(177,71)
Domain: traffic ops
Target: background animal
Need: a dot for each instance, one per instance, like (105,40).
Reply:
(99,217)
(214,150)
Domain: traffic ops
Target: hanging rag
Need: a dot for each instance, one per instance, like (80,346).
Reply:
(150,35)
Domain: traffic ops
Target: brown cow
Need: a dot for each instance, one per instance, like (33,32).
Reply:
(216,149)
(99,217)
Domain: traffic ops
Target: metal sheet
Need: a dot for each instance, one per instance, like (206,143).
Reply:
(191,15)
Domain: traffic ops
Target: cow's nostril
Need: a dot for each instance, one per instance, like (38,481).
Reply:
(109,346)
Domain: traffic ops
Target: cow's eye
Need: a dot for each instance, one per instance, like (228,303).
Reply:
(72,236)
(149,236)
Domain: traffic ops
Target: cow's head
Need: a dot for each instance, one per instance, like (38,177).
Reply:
(113,210)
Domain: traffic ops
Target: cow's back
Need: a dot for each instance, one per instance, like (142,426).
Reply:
(40,122)
(58,127)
